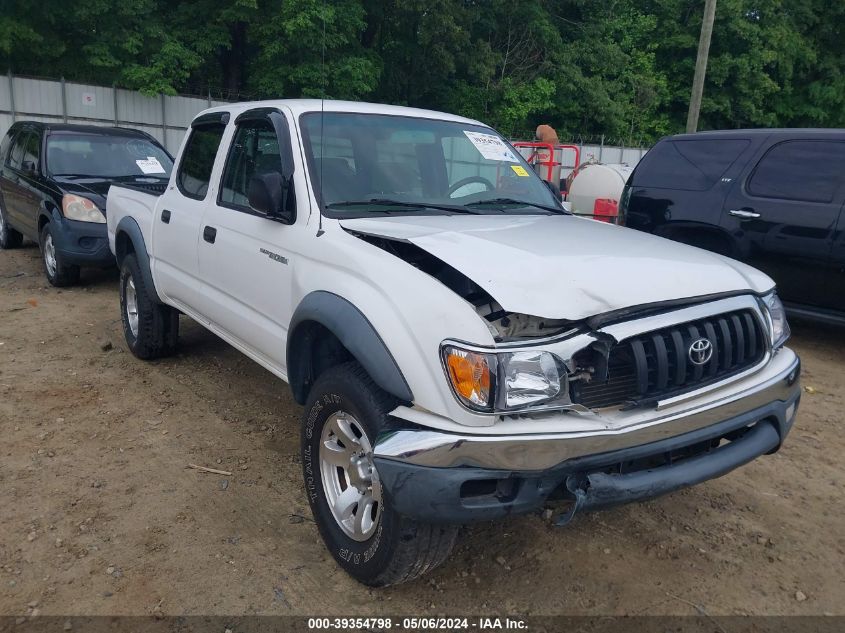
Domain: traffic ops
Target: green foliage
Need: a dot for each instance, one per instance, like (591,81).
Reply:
(621,68)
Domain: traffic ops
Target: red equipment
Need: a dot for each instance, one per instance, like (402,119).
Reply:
(606,210)
(544,155)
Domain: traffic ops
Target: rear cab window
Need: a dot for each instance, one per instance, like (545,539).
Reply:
(198,158)
(688,164)
(803,170)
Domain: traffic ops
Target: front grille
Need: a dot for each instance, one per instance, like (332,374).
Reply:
(657,364)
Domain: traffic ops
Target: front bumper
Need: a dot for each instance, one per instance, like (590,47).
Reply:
(439,476)
(82,243)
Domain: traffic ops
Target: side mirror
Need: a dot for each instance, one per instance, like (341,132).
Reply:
(28,166)
(554,189)
(270,194)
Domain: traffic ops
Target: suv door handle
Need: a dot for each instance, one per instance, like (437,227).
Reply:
(209,234)
(165,216)
(745,214)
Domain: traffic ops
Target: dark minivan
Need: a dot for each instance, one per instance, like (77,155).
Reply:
(53,185)
(771,198)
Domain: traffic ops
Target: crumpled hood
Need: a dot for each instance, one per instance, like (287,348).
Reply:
(565,267)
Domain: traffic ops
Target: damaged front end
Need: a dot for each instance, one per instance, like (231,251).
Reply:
(538,363)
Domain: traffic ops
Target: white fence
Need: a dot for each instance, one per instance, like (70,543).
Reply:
(164,117)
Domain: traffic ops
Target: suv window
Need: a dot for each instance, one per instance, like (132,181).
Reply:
(32,149)
(809,171)
(254,151)
(4,146)
(17,154)
(688,165)
(198,160)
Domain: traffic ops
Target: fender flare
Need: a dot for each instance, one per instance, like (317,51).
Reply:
(129,226)
(357,335)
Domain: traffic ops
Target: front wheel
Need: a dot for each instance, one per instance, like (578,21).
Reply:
(150,328)
(58,273)
(370,541)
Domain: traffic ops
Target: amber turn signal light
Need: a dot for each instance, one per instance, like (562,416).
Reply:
(472,376)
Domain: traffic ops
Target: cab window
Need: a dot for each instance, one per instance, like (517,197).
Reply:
(254,151)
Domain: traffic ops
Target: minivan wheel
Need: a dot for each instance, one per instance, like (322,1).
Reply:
(371,542)
(58,273)
(9,237)
(150,328)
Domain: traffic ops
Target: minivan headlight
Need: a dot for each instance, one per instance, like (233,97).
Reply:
(504,381)
(81,209)
(777,317)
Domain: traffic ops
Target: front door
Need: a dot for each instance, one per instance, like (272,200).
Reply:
(785,210)
(245,256)
(178,222)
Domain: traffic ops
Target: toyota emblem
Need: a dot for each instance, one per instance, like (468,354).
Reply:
(701,351)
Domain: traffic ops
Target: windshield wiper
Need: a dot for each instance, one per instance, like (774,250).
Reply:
(382,202)
(523,203)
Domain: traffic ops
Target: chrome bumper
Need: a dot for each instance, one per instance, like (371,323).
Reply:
(596,433)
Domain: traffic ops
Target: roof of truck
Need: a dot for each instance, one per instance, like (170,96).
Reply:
(300,106)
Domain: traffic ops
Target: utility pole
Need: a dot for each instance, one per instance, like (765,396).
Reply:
(701,65)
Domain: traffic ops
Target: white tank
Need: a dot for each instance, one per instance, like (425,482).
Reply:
(595,181)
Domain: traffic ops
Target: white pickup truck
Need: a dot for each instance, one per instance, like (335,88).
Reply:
(463,347)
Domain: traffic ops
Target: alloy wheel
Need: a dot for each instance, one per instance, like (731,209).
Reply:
(50,255)
(350,480)
(131,301)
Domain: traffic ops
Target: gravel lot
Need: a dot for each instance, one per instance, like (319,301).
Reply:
(99,514)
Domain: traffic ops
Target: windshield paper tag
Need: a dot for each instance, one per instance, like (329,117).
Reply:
(519,170)
(150,165)
(491,147)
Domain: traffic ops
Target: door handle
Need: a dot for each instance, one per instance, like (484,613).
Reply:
(745,214)
(165,216)
(209,234)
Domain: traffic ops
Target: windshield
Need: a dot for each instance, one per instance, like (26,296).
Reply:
(101,156)
(377,164)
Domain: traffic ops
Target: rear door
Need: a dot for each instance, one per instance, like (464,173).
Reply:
(178,221)
(785,207)
(246,258)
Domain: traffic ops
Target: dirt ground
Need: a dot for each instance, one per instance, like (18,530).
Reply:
(99,514)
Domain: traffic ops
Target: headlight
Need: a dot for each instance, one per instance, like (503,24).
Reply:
(777,316)
(529,378)
(81,209)
(504,381)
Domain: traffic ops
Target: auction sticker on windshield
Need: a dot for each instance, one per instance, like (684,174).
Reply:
(150,165)
(491,146)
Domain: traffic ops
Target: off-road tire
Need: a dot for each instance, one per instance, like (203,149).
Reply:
(401,549)
(9,237)
(157,324)
(60,274)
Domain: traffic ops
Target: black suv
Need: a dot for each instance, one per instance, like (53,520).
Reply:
(771,198)
(53,185)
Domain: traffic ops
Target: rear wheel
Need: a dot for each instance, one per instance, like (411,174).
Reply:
(58,273)
(370,541)
(9,237)
(151,329)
